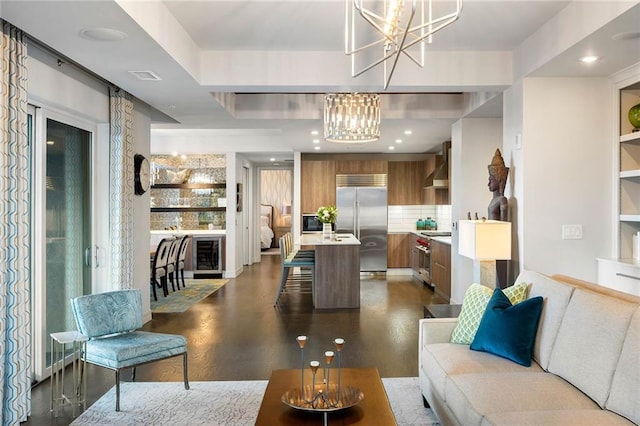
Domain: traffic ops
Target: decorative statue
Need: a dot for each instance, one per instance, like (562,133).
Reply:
(498,172)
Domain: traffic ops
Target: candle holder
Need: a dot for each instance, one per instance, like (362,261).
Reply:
(302,341)
(339,344)
(326,397)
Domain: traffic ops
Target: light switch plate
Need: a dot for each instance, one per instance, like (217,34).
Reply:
(571,232)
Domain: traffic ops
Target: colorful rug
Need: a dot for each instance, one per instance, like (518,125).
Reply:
(180,301)
(228,403)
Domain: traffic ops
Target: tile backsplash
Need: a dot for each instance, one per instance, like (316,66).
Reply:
(404,218)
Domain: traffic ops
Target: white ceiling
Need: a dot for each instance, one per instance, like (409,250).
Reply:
(248,76)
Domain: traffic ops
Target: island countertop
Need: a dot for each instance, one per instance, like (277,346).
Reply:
(317,240)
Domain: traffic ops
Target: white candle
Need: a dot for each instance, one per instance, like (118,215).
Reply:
(302,340)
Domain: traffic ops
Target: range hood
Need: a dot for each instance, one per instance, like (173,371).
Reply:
(440,176)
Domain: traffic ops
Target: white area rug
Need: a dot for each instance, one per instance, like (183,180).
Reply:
(232,403)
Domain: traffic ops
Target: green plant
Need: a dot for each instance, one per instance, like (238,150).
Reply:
(327,214)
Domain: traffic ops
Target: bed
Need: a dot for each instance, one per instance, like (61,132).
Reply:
(266,226)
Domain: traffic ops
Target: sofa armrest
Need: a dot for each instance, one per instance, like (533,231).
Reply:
(436,330)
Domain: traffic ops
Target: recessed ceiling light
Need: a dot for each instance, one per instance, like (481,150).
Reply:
(272,159)
(184,157)
(102,34)
(317,148)
(314,132)
(316,141)
(589,59)
(408,132)
(391,148)
(50,143)
(175,154)
(398,140)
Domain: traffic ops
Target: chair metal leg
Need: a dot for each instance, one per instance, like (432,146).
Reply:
(165,287)
(133,374)
(184,371)
(153,286)
(182,275)
(283,279)
(118,390)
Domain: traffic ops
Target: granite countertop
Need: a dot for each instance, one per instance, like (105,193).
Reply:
(317,240)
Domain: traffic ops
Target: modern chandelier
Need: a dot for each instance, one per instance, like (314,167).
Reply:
(352,117)
(399,26)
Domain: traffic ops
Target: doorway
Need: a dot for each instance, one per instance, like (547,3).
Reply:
(62,221)
(276,187)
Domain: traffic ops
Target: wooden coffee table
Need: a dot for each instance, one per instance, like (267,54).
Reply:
(374,409)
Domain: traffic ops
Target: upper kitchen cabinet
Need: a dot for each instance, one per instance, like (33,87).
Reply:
(405,181)
(436,184)
(318,184)
(345,167)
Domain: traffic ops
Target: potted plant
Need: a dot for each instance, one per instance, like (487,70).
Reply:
(327,215)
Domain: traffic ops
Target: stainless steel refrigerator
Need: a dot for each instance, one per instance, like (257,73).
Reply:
(362,211)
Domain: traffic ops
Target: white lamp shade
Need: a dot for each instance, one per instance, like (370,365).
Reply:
(484,239)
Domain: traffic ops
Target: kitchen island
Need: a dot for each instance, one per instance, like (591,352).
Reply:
(337,270)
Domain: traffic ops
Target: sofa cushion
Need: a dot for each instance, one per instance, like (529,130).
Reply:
(589,342)
(474,304)
(624,398)
(473,396)
(448,359)
(507,330)
(584,417)
(556,297)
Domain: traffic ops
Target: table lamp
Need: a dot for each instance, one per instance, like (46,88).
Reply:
(485,241)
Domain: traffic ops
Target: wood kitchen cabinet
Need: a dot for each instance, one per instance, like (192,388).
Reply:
(414,257)
(398,251)
(345,167)
(432,196)
(317,184)
(441,268)
(405,180)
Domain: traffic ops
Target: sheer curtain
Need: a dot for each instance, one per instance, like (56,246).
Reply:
(15,295)
(121,191)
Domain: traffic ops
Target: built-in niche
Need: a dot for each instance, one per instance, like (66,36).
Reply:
(188,192)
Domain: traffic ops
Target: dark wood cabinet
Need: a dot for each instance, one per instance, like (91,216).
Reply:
(317,184)
(398,250)
(405,180)
(441,268)
(344,167)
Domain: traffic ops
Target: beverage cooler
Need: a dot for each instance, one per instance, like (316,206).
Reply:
(207,256)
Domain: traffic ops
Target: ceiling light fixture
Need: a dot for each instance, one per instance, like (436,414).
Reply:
(397,29)
(408,132)
(352,117)
(589,59)
(398,140)
(316,141)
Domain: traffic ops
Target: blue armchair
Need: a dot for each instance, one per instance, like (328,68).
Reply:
(110,321)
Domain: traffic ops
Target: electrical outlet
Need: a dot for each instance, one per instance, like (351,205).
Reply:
(571,232)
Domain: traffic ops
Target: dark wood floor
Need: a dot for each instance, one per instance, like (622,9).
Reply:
(237,334)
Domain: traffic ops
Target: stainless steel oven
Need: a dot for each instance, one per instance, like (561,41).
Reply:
(423,246)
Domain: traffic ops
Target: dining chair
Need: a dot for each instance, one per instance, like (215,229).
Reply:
(111,321)
(159,267)
(182,255)
(171,263)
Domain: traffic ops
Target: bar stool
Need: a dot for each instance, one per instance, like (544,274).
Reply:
(78,346)
(290,260)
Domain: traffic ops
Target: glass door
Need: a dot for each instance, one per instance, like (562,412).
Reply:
(63,224)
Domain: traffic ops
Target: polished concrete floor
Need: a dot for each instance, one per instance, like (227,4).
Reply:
(237,334)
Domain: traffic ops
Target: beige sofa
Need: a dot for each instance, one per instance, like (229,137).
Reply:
(586,369)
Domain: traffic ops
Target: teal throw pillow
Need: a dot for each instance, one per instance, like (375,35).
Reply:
(507,330)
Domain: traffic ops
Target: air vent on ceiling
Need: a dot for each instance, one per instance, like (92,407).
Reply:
(145,75)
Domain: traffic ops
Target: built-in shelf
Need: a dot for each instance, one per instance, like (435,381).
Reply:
(628,174)
(630,217)
(188,185)
(187,209)
(633,137)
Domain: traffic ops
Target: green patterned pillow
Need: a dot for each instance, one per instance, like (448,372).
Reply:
(474,304)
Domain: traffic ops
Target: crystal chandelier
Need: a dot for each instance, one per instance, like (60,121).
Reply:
(352,117)
(399,26)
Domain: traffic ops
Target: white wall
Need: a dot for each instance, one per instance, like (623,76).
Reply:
(473,143)
(562,172)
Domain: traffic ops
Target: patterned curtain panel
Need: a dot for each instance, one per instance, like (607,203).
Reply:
(15,294)
(121,191)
